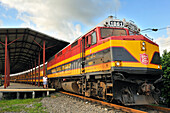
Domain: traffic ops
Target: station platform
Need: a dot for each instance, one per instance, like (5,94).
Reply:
(19,88)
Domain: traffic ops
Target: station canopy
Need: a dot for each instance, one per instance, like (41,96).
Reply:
(24,46)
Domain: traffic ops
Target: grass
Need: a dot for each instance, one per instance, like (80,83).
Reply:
(18,105)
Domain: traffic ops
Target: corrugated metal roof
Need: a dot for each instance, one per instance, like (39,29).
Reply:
(24,51)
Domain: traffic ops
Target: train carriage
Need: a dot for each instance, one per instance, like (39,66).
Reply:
(28,77)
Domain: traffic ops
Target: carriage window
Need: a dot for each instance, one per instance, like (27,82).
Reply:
(107,32)
(93,38)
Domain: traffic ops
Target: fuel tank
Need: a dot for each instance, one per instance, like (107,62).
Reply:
(70,86)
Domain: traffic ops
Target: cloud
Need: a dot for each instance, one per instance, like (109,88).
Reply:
(1,23)
(64,18)
(164,42)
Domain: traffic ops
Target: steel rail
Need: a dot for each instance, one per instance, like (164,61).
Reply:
(159,108)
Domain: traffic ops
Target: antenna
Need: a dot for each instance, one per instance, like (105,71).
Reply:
(131,21)
(115,13)
(110,10)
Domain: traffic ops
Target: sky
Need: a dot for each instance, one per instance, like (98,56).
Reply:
(69,19)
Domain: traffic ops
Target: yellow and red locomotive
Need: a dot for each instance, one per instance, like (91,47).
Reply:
(113,61)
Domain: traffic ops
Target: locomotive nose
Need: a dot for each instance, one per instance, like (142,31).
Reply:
(149,58)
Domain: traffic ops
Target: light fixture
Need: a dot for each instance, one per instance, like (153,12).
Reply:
(118,63)
(143,43)
(159,66)
(143,48)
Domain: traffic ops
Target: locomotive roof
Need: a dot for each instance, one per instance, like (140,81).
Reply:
(25,49)
(111,22)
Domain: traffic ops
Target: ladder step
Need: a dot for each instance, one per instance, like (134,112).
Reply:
(109,94)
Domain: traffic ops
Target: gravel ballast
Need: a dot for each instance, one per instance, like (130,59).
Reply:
(60,103)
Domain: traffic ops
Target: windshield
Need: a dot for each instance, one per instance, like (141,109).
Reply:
(107,32)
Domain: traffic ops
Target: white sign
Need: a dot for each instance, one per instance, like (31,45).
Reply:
(116,23)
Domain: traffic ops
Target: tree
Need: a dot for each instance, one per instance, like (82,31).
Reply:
(165,62)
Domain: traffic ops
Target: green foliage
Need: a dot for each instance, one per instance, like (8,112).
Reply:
(22,105)
(165,61)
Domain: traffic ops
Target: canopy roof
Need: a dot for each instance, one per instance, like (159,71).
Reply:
(24,45)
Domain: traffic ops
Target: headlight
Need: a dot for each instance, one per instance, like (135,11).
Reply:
(118,63)
(159,66)
(143,48)
(143,43)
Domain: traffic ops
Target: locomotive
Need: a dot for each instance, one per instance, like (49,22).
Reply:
(112,61)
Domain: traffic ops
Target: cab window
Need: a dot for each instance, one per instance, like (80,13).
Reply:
(93,38)
(107,32)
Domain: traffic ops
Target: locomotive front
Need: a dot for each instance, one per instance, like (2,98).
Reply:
(135,63)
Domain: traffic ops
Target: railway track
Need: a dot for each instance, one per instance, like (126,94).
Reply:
(152,109)
(133,109)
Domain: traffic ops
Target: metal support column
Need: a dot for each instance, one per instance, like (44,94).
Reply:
(35,72)
(5,79)
(33,94)
(32,73)
(44,58)
(48,93)
(8,70)
(39,70)
(18,95)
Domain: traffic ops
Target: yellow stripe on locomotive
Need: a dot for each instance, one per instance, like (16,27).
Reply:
(128,45)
